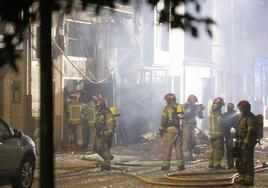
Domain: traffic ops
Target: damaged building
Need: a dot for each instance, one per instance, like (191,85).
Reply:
(133,60)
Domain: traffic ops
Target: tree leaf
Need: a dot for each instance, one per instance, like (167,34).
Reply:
(194,31)
(197,7)
(209,32)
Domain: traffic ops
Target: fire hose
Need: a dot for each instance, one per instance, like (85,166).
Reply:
(170,180)
(155,164)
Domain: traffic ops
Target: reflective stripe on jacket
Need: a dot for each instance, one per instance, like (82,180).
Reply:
(215,120)
(74,113)
(171,116)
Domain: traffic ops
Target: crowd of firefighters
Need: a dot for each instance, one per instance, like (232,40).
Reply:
(177,129)
(178,125)
(91,124)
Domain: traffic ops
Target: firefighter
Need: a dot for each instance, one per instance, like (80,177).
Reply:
(230,120)
(216,134)
(191,110)
(85,123)
(246,140)
(74,110)
(171,132)
(91,114)
(104,129)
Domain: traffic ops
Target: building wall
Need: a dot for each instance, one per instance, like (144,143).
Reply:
(15,101)
(5,94)
(58,103)
(168,49)
(240,42)
(57,86)
(198,49)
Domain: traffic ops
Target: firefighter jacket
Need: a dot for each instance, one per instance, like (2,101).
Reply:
(74,113)
(247,130)
(84,112)
(189,114)
(104,123)
(170,116)
(215,120)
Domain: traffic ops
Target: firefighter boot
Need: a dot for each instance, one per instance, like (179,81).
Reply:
(219,167)
(105,167)
(210,165)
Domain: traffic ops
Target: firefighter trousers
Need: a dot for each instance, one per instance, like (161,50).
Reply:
(85,133)
(229,150)
(217,152)
(103,150)
(188,142)
(245,165)
(72,135)
(172,137)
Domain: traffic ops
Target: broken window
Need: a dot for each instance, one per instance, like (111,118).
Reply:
(79,39)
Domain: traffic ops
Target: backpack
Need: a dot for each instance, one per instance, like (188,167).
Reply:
(259,127)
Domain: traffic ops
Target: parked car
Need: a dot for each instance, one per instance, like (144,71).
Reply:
(17,157)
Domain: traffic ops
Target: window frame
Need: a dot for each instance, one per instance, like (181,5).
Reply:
(7,127)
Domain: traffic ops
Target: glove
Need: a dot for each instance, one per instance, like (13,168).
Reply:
(161,132)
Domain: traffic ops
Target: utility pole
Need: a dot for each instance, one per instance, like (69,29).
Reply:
(46,129)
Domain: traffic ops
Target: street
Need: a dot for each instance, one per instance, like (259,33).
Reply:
(78,169)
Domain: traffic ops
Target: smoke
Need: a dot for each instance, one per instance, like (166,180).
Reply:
(120,44)
(141,107)
(126,44)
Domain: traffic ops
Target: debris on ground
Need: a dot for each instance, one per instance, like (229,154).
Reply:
(201,137)
(148,137)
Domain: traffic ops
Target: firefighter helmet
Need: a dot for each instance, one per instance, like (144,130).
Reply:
(219,101)
(170,98)
(192,99)
(76,94)
(244,106)
(100,101)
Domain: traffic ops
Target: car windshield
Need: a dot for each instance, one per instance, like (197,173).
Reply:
(3,129)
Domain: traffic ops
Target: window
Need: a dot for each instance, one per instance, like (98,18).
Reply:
(80,39)
(163,32)
(36,43)
(154,76)
(165,37)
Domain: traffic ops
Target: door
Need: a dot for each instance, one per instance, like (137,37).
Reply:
(207,96)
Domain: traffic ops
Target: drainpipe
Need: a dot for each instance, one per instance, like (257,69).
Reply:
(232,48)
